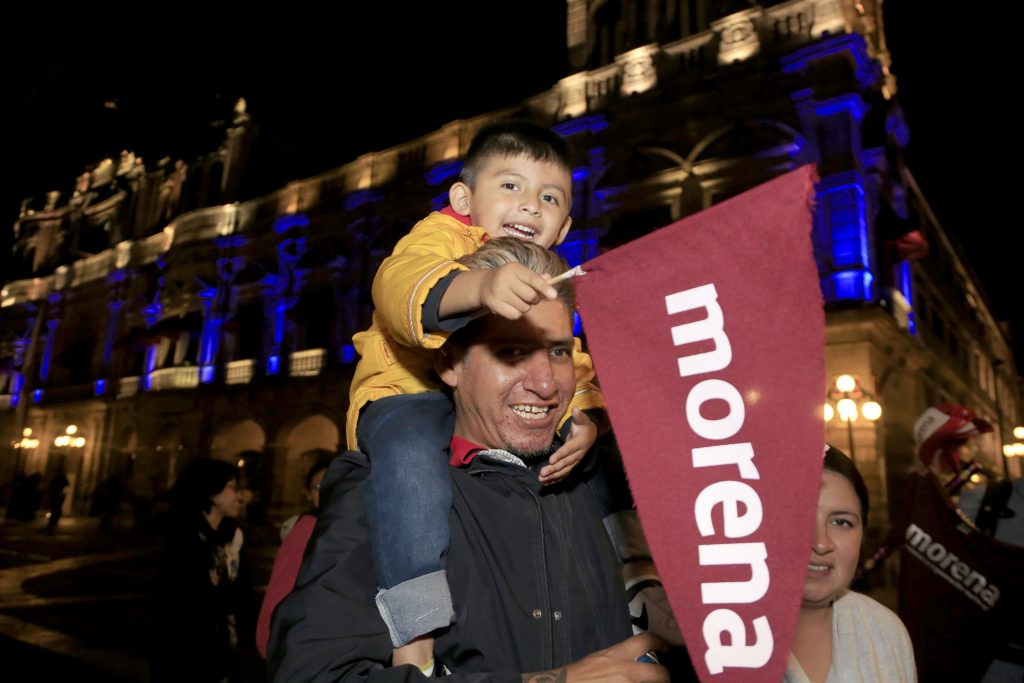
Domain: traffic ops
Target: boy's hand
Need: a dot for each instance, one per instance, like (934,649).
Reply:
(512,289)
(582,434)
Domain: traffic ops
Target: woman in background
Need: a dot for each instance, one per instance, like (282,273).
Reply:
(842,636)
(205,586)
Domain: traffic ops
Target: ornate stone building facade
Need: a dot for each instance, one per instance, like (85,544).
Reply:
(165,321)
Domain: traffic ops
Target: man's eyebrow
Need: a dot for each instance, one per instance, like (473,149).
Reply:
(530,341)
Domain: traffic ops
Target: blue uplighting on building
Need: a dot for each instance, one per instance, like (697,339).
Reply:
(348,353)
(209,342)
(584,124)
(206,373)
(852,44)
(361,198)
(897,127)
(17,379)
(37,395)
(850,103)
(439,202)
(907,290)
(279,311)
(580,173)
(849,285)
(273,365)
(841,228)
(442,172)
(283,224)
(100,387)
(230,241)
(580,246)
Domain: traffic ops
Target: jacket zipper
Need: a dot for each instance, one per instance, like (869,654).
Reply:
(547,620)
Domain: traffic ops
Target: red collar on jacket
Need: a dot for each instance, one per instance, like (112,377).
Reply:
(449,211)
(463,451)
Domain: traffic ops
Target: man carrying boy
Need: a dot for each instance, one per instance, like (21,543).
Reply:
(516,182)
(536,584)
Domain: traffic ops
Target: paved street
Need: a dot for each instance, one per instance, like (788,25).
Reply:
(78,603)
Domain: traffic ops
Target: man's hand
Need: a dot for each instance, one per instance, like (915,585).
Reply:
(582,434)
(512,289)
(617,663)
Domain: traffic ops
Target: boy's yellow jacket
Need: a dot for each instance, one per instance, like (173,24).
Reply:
(395,353)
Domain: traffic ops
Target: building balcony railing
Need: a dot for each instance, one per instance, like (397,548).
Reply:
(308,363)
(239,371)
(129,386)
(74,392)
(174,378)
(5,401)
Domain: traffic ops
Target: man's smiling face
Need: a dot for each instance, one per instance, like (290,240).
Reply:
(515,380)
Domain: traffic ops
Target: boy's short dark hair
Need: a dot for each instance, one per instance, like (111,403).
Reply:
(514,137)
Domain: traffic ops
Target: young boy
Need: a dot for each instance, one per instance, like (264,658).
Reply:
(516,181)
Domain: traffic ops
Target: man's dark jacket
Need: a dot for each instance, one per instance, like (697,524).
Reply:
(535,583)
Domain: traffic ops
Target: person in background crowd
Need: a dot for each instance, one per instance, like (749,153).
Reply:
(205,588)
(57,492)
(295,533)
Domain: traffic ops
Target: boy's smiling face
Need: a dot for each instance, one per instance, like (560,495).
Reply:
(518,197)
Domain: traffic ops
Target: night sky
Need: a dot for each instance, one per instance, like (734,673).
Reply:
(79,86)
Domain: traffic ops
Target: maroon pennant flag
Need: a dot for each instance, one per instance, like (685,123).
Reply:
(708,338)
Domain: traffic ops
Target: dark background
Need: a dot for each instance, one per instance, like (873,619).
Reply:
(80,85)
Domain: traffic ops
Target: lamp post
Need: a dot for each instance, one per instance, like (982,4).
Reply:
(850,401)
(27,444)
(69,439)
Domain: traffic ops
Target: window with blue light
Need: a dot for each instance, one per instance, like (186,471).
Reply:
(842,231)
(100,387)
(273,365)
(37,395)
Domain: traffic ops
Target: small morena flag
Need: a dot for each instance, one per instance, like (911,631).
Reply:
(960,594)
(708,338)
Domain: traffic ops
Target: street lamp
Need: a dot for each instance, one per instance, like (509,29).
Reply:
(27,442)
(850,401)
(68,438)
(1016,449)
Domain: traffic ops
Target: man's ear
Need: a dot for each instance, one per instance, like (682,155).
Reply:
(444,366)
(459,195)
(564,231)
